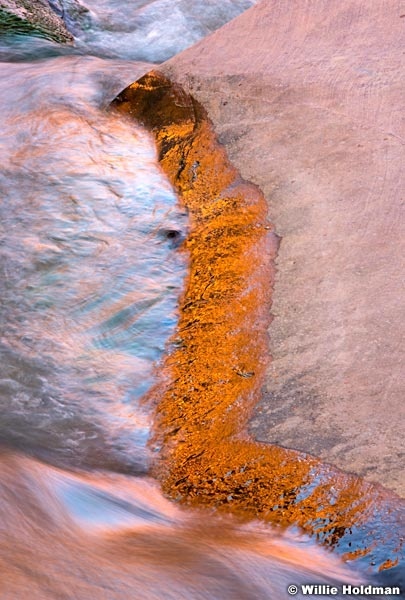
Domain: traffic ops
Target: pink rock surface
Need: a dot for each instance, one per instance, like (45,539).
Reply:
(308,99)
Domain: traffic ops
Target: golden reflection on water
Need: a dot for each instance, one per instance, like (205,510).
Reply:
(214,373)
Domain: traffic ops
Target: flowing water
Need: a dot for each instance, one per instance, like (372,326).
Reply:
(91,272)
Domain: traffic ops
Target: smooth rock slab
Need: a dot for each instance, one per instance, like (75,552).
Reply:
(308,100)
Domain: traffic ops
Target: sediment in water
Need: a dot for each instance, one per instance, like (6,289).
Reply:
(214,371)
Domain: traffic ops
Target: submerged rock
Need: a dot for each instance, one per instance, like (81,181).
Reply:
(33,17)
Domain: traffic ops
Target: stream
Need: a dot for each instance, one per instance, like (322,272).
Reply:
(92,269)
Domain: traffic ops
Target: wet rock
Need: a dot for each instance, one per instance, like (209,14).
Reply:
(307,100)
(33,17)
(75,15)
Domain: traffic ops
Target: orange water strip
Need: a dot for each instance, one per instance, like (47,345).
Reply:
(213,374)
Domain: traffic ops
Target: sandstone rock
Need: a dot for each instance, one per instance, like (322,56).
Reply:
(33,17)
(308,99)
(214,371)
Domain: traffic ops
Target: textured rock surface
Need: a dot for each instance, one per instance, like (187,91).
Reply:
(214,371)
(34,17)
(308,100)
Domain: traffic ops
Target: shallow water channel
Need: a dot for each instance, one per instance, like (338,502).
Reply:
(92,268)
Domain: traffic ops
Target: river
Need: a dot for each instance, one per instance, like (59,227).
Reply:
(92,269)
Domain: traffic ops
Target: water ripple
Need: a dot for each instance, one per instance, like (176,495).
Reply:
(90,273)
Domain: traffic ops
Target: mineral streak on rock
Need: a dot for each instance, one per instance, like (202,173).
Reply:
(33,17)
(213,375)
